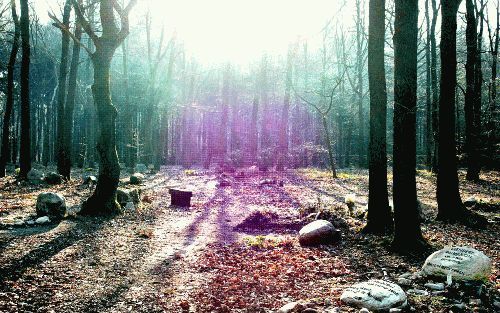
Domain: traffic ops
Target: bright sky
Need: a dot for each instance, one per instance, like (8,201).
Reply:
(238,31)
(241,30)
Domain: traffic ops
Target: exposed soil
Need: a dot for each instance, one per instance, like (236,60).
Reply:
(212,257)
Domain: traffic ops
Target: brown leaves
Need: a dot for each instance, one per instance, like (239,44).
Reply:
(245,275)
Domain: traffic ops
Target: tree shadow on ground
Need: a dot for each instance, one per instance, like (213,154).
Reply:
(81,229)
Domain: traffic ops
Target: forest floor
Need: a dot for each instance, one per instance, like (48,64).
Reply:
(234,250)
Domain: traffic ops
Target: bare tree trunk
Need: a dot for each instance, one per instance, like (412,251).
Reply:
(407,233)
(130,146)
(103,200)
(379,218)
(10,92)
(70,105)
(450,205)
(25,148)
(434,85)
(283,138)
(254,136)
(471,130)
(61,91)
(428,101)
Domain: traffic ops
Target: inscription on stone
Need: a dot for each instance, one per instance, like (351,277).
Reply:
(460,262)
(373,283)
(453,258)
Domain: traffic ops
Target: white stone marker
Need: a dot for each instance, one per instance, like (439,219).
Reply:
(374,294)
(462,263)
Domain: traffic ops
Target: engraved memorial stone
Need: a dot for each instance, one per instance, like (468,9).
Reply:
(374,295)
(462,263)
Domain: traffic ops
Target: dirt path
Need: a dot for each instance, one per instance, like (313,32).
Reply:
(147,260)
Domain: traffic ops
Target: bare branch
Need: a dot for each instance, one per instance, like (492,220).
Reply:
(85,24)
(64,28)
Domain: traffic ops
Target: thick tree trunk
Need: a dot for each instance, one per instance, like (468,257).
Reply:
(379,218)
(25,148)
(450,205)
(471,127)
(407,233)
(103,201)
(10,92)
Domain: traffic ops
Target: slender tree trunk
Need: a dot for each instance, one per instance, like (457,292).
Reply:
(328,142)
(70,106)
(9,104)
(471,133)
(130,148)
(428,101)
(25,148)
(283,135)
(360,92)
(407,233)
(61,96)
(450,205)
(493,106)
(254,136)
(434,85)
(379,219)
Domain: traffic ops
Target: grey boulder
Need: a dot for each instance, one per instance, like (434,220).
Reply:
(51,204)
(318,232)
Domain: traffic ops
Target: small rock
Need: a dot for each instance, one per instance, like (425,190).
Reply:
(42,220)
(136,178)
(53,178)
(470,201)
(135,194)
(437,286)
(395,310)
(30,222)
(89,180)
(223,183)
(364,310)
(141,168)
(51,204)
(458,307)
(19,223)
(417,292)
(289,307)
(35,176)
(496,304)
(318,232)
(438,292)
(406,275)
(130,206)
(123,197)
(404,281)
